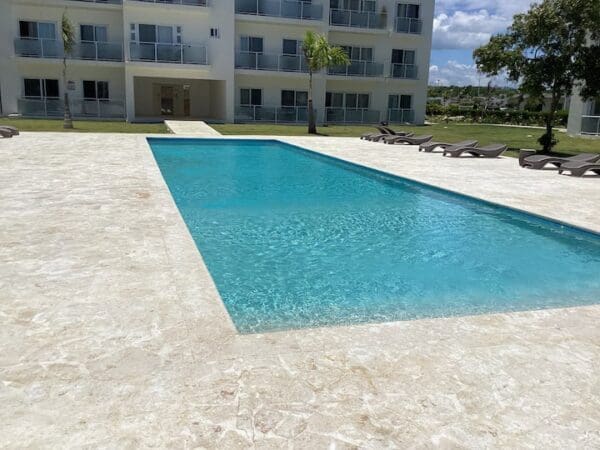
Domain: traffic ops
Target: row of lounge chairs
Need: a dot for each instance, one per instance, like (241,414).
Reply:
(577,165)
(7,131)
(425,143)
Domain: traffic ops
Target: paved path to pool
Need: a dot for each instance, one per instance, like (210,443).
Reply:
(196,128)
(112,333)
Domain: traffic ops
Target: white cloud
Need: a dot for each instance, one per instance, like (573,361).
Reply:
(471,23)
(457,74)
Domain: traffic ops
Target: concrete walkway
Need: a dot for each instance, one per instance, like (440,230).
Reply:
(191,128)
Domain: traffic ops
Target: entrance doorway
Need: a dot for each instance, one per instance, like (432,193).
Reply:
(167,100)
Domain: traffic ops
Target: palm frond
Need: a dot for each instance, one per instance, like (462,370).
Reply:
(68,34)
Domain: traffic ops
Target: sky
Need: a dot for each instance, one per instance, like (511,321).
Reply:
(460,26)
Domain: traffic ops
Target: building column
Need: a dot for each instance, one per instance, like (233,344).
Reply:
(129,97)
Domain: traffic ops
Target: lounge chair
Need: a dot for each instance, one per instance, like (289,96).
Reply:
(5,132)
(577,169)
(540,161)
(430,146)
(410,140)
(383,132)
(488,151)
(12,129)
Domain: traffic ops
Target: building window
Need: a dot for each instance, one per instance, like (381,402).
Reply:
(250,97)
(294,98)
(408,10)
(396,101)
(346,100)
(292,47)
(358,53)
(403,56)
(156,33)
(353,5)
(251,44)
(40,88)
(93,33)
(37,30)
(95,90)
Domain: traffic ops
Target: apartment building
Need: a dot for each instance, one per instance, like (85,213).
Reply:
(216,60)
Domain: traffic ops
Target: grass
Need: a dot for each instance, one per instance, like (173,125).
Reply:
(85,126)
(514,137)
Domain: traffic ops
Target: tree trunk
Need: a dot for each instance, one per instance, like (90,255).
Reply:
(547,139)
(312,120)
(68,121)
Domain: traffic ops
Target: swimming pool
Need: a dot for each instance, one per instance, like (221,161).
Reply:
(297,239)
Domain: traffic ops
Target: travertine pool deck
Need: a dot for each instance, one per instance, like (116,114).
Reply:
(113,335)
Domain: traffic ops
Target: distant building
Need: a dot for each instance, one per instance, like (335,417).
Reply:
(584,117)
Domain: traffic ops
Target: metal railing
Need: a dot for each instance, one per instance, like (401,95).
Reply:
(408,25)
(80,107)
(109,2)
(358,19)
(52,48)
(178,2)
(397,115)
(404,71)
(168,53)
(358,69)
(276,114)
(267,61)
(289,9)
(590,125)
(351,115)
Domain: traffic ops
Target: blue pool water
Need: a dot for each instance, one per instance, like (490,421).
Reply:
(295,239)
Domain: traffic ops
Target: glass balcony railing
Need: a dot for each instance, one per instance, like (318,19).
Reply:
(590,125)
(266,61)
(351,115)
(276,114)
(401,115)
(106,2)
(357,19)
(54,107)
(288,9)
(408,25)
(168,53)
(358,69)
(52,48)
(404,71)
(178,2)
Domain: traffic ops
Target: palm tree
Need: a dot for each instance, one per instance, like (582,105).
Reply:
(319,55)
(68,38)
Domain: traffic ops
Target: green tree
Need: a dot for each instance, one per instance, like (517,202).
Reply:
(319,55)
(68,39)
(551,48)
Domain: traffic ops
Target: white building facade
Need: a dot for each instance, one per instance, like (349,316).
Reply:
(584,117)
(215,60)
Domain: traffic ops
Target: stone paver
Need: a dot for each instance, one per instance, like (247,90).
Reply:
(195,128)
(112,333)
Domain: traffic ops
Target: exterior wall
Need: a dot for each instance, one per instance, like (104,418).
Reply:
(215,84)
(577,110)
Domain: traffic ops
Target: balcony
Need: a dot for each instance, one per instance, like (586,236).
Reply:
(408,25)
(168,53)
(53,107)
(590,125)
(177,2)
(275,114)
(358,69)
(357,19)
(52,48)
(401,115)
(408,71)
(275,62)
(351,115)
(288,9)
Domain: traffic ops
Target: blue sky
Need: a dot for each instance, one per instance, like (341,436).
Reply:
(459,27)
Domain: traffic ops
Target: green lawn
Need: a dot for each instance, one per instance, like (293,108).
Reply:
(88,126)
(514,137)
